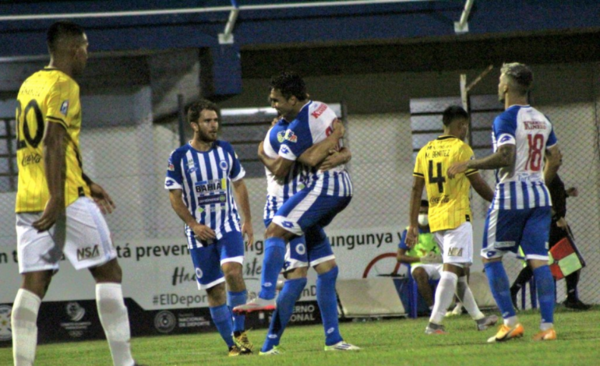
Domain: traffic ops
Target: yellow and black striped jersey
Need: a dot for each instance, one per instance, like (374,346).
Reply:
(48,96)
(448,198)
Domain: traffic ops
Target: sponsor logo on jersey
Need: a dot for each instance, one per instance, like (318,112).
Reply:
(199,273)
(171,167)
(534,125)
(281,136)
(223,165)
(64,107)
(207,186)
(87,253)
(285,150)
(290,136)
(319,111)
(300,249)
(169,182)
(504,138)
(455,252)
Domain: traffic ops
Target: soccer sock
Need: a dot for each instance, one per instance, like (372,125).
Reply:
(115,321)
(272,265)
(234,299)
(499,286)
(24,327)
(545,289)
(221,316)
(327,300)
(443,296)
(290,293)
(463,291)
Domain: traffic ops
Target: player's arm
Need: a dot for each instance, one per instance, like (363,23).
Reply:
(415,205)
(317,153)
(553,161)
(336,158)
(202,232)
(481,186)
(503,157)
(55,143)
(403,258)
(241,197)
(100,196)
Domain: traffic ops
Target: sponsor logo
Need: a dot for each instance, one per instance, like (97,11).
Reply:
(504,244)
(287,224)
(290,136)
(31,159)
(165,322)
(272,336)
(285,150)
(169,182)
(5,328)
(199,273)
(268,284)
(490,253)
(75,311)
(87,253)
(280,136)
(208,186)
(319,111)
(505,138)
(192,321)
(64,107)
(223,165)
(76,327)
(455,252)
(171,167)
(330,330)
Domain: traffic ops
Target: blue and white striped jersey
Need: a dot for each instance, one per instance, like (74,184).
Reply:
(278,193)
(522,186)
(206,180)
(312,125)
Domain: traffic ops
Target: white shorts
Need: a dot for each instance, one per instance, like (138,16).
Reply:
(84,239)
(456,244)
(433,270)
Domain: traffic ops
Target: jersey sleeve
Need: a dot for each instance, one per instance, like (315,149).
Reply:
(402,244)
(505,130)
(418,171)
(552,140)
(298,138)
(237,171)
(60,96)
(174,179)
(466,153)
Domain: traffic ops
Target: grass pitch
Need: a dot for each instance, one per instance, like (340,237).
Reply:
(386,342)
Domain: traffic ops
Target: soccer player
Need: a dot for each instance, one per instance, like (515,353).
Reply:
(202,178)
(326,193)
(300,254)
(449,215)
(520,212)
(56,212)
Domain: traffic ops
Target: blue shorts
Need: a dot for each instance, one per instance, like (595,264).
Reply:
(307,209)
(505,230)
(300,254)
(209,259)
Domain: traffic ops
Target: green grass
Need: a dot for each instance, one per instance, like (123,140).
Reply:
(387,342)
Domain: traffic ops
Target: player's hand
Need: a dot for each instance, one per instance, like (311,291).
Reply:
(332,160)
(572,192)
(412,236)
(102,199)
(54,210)
(338,128)
(457,168)
(203,232)
(562,223)
(248,232)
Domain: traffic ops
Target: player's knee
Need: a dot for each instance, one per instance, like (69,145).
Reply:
(419,274)
(108,272)
(37,282)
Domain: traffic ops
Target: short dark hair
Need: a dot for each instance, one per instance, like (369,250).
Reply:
(290,84)
(61,30)
(452,113)
(193,113)
(520,76)
(424,203)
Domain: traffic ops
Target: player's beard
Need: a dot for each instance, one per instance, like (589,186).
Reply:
(206,137)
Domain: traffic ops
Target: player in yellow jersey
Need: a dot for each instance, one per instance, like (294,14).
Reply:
(59,208)
(449,215)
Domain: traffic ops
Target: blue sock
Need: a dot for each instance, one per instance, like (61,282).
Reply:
(272,265)
(234,299)
(500,287)
(327,300)
(292,289)
(221,316)
(545,290)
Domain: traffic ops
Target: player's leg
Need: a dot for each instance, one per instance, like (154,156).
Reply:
(36,265)
(88,245)
(421,274)
(502,233)
(534,243)
(296,270)
(322,259)
(231,247)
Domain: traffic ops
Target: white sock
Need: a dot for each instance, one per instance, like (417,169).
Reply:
(24,327)
(115,321)
(463,291)
(546,326)
(511,321)
(443,296)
